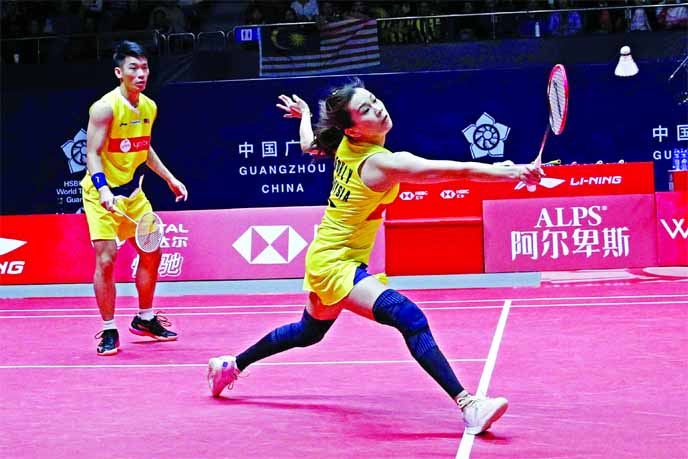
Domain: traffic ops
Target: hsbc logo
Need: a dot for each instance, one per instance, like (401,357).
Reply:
(412,195)
(451,194)
(269,245)
(10,266)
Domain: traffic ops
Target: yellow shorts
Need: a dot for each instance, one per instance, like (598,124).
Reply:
(106,225)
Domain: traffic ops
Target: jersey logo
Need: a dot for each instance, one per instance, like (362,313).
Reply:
(125,146)
(129,144)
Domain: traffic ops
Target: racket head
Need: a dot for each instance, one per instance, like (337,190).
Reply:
(558,97)
(149,232)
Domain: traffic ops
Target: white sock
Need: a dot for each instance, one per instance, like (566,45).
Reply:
(461,398)
(146,314)
(109,325)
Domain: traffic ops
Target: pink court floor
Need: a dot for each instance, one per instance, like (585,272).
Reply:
(594,366)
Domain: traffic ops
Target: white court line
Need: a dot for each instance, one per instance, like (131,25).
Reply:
(266,364)
(268,306)
(464,451)
(293,311)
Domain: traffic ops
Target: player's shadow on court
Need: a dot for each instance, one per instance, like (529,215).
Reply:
(149,341)
(389,434)
(494,438)
(271,402)
(410,436)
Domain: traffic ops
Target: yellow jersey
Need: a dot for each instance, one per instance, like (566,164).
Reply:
(128,139)
(347,232)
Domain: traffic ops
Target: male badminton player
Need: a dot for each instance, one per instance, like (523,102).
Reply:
(117,148)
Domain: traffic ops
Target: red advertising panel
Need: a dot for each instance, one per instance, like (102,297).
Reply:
(587,232)
(672,229)
(464,197)
(265,243)
(437,228)
(36,249)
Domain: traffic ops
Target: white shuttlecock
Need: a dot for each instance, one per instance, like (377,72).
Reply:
(626,66)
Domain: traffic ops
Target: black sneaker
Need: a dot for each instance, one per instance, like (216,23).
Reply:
(155,328)
(109,342)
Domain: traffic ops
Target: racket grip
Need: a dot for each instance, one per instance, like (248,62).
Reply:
(538,163)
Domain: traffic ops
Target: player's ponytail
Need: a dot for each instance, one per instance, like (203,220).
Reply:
(334,119)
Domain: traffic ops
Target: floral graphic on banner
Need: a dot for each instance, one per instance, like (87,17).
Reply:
(486,137)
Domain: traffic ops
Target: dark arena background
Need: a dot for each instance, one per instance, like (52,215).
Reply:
(570,300)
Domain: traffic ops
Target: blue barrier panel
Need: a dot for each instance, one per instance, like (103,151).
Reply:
(232,148)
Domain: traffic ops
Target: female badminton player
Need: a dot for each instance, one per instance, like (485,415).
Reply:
(352,127)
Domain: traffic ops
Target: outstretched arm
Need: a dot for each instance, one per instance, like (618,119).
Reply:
(382,171)
(296,107)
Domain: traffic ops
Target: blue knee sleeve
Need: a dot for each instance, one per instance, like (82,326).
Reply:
(394,309)
(304,333)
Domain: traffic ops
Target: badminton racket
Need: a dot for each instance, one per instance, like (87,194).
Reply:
(148,230)
(558,101)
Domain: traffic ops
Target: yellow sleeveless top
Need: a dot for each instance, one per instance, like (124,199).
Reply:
(128,140)
(346,234)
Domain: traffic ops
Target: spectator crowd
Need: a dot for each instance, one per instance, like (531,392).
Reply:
(427,21)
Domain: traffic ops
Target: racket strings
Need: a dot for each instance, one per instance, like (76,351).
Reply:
(149,232)
(557,101)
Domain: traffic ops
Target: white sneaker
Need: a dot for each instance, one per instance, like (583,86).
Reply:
(222,372)
(480,412)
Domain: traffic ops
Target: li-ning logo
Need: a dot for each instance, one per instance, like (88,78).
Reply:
(75,151)
(609,180)
(678,228)
(10,266)
(486,137)
(269,245)
(545,182)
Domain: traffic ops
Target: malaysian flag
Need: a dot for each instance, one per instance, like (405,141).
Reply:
(303,50)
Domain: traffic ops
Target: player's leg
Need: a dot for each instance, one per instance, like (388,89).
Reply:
(104,278)
(374,300)
(315,321)
(146,277)
(370,298)
(102,227)
(104,287)
(145,323)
